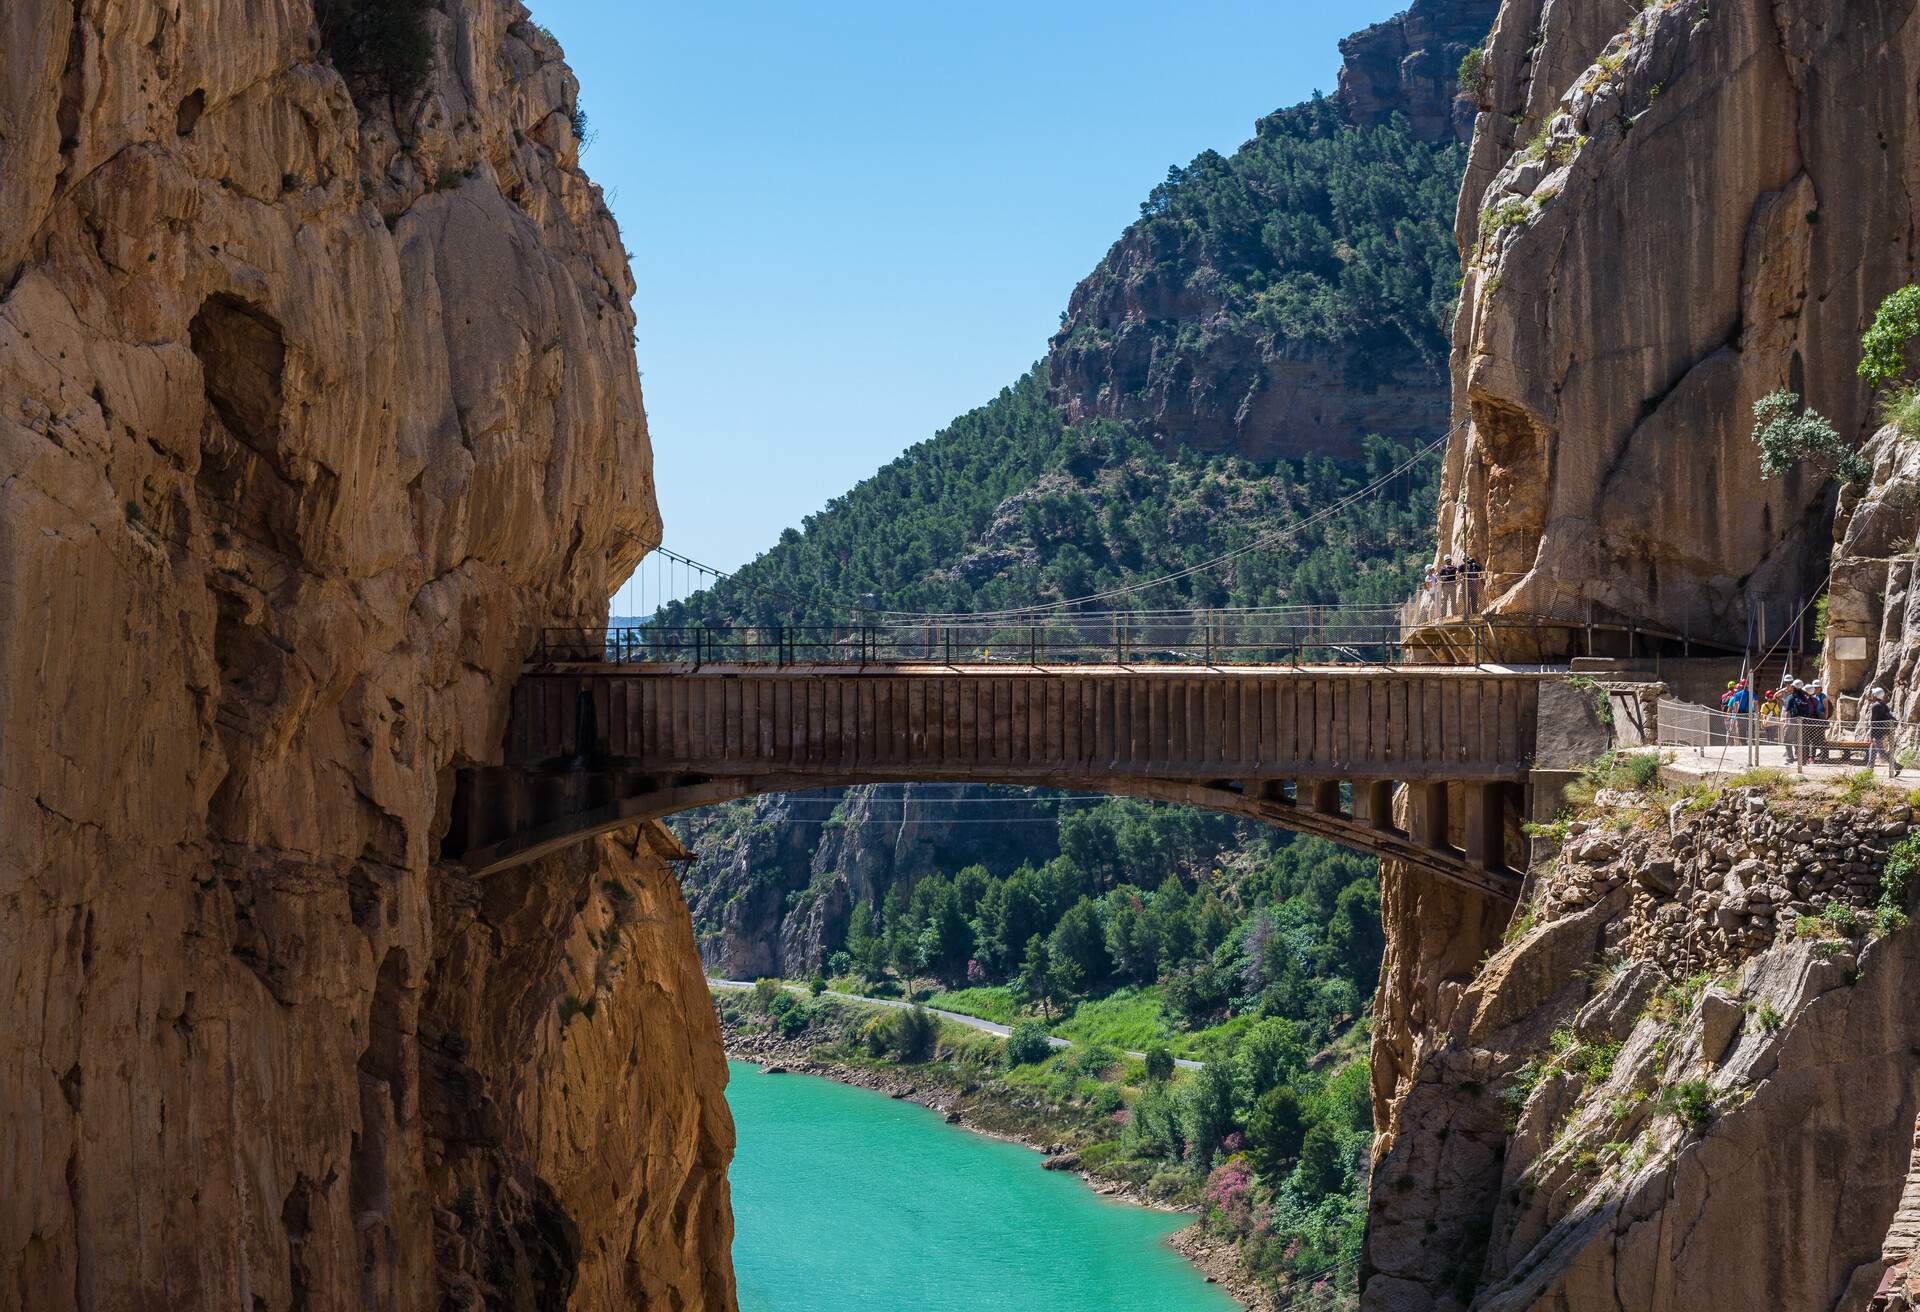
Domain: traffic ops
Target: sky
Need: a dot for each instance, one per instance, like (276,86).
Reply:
(852,221)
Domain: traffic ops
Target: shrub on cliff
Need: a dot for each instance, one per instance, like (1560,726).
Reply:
(1028,1044)
(1789,435)
(378,45)
(1883,350)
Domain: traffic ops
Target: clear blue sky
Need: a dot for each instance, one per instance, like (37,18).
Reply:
(852,221)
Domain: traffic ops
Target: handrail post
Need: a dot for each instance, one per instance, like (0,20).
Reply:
(779,645)
(1033,644)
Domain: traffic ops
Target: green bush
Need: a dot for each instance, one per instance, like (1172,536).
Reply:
(1159,1063)
(793,1020)
(764,992)
(912,1033)
(1883,350)
(1788,435)
(1028,1044)
(1901,408)
(1473,67)
(378,45)
(1691,1103)
(817,985)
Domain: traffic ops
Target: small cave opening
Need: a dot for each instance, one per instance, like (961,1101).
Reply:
(243,356)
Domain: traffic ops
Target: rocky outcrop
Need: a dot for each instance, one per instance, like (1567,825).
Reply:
(317,399)
(1670,212)
(1686,1082)
(1410,64)
(1873,613)
(1176,337)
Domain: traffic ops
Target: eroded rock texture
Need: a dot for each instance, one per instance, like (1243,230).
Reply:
(1669,213)
(1689,1081)
(1873,613)
(315,402)
(1410,65)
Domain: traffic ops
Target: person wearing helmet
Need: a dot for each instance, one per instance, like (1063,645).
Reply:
(1880,732)
(1819,711)
(1738,704)
(1795,712)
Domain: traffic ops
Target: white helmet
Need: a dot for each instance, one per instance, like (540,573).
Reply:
(1799,683)
(1878,694)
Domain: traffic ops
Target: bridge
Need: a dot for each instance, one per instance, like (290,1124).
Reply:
(598,739)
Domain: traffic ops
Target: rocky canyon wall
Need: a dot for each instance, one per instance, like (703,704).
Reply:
(317,398)
(1668,214)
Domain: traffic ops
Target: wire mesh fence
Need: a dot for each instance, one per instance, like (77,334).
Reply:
(1293,636)
(1799,740)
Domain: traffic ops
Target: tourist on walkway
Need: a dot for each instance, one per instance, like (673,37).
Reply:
(1738,704)
(1819,712)
(1881,739)
(1797,708)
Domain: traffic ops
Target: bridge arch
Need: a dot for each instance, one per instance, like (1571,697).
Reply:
(594,748)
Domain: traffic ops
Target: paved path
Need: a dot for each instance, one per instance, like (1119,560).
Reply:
(972,1022)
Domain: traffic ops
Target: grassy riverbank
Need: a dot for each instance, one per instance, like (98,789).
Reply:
(1274,1202)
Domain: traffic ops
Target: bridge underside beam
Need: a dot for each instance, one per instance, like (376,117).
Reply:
(504,817)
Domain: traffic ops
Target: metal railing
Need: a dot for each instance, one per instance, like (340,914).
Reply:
(1292,636)
(1804,740)
(1459,597)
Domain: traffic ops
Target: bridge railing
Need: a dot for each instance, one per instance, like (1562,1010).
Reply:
(1293,636)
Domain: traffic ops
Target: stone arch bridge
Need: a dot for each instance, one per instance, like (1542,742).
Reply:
(1319,750)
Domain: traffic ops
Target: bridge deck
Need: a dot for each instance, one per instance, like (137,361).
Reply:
(1005,722)
(592,747)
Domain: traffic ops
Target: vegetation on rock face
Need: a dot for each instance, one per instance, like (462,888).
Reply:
(381,45)
(1789,435)
(1009,506)
(1883,349)
(1314,231)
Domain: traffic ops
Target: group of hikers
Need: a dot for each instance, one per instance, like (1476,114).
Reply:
(1457,581)
(1798,715)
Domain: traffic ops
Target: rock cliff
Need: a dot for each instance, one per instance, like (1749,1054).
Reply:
(1410,64)
(1686,1081)
(1663,220)
(1242,341)
(318,398)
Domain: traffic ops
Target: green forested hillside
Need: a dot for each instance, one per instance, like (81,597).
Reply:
(1009,507)
(1311,232)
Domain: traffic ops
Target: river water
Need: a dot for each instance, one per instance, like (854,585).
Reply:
(845,1200)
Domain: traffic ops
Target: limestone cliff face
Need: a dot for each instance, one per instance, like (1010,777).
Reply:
(777,877)
(1664,220)
(1873,613)
(315,402)
(1410,64)
(1688,1081)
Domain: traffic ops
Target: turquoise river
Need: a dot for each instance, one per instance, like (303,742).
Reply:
(847,1201)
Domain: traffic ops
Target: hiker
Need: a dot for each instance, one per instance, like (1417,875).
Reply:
(1797,707)
(1738,703)
(1880,732)
(1819,712)
(1771,728)
(1470,571)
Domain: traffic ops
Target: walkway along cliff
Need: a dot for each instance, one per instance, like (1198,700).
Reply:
(318,399)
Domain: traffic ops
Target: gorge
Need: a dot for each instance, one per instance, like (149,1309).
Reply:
(319,402)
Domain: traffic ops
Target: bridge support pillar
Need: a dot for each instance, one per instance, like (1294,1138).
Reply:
(1373,803)
(1322,796)
(1485,825)
(1427,815)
